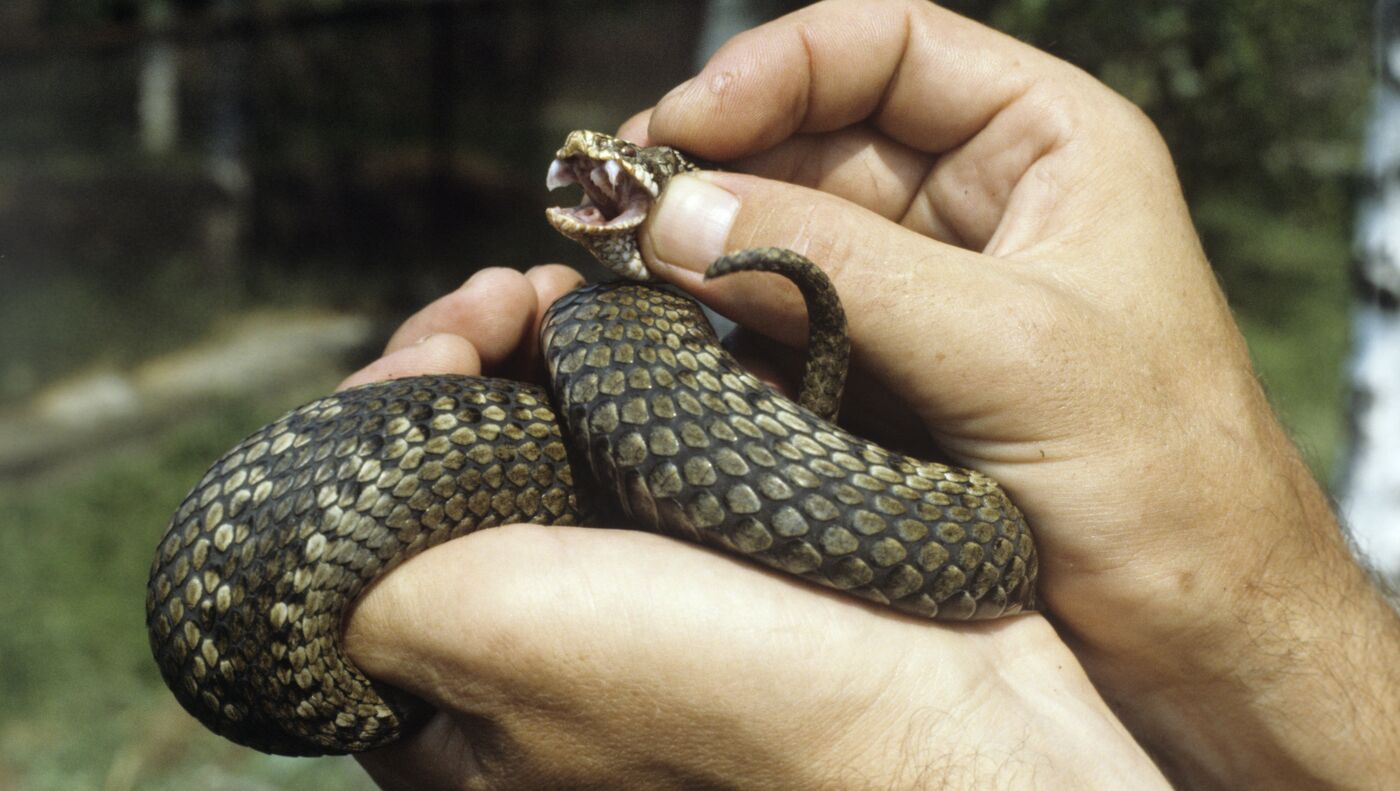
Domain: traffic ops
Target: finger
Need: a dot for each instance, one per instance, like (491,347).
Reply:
(549,282)
(521,574)
(538,612)
(923,75)
(494,310)
(882,270)
(634,129)
(442,353)
(992,108)
(857,164)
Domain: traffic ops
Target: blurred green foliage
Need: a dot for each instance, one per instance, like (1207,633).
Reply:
(1260,99)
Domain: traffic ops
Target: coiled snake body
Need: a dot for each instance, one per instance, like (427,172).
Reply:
(646,413)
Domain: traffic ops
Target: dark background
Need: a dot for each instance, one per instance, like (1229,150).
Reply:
(211,210)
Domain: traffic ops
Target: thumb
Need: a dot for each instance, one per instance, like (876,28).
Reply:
(553,634)
(927,319)
(535,604)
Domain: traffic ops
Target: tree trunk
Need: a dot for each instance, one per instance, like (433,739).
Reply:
(225,224)
(158,107)
(1369,491)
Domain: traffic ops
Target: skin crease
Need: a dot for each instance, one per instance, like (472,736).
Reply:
(1022,279)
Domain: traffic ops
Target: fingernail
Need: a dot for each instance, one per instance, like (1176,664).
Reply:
(690,227)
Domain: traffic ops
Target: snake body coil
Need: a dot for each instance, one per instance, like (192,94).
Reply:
(264,557)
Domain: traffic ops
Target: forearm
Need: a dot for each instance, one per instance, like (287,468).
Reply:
(1294,679)
(1299,710)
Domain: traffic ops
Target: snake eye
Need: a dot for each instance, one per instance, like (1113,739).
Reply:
(627,150)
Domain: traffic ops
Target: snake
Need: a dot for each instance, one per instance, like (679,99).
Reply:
(647,422)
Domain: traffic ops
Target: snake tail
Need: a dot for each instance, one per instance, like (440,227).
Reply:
(828,345)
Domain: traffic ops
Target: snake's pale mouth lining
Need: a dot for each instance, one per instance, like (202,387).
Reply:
(613,198)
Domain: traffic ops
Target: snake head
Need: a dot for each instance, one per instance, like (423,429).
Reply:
(621,182)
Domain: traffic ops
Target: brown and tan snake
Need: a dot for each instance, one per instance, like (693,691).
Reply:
(647,421)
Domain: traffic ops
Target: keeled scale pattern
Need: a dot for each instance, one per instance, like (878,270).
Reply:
(698,448)
(255,572)
(252,579)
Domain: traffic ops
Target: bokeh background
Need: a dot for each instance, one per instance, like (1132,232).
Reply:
(211,210)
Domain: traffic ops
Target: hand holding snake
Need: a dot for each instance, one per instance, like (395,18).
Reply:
(1019,270)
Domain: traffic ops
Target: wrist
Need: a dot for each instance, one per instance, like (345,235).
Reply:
(1309,695)
(1020,712)
(1282,663)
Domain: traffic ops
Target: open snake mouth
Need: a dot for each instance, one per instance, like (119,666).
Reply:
(614,199)
(621,182)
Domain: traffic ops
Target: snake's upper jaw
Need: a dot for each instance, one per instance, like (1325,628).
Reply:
(617,194)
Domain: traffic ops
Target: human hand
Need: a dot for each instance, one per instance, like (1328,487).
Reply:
(566,657)
(1020,270)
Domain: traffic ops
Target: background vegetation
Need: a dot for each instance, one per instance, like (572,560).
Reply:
(353,156)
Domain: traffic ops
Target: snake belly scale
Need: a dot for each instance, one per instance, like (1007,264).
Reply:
(647,422)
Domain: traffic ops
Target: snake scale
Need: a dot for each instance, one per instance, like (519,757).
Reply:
(647,419)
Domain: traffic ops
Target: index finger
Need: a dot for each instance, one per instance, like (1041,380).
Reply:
(923,75)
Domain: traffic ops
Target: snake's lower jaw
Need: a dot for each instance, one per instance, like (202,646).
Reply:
(614,245)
